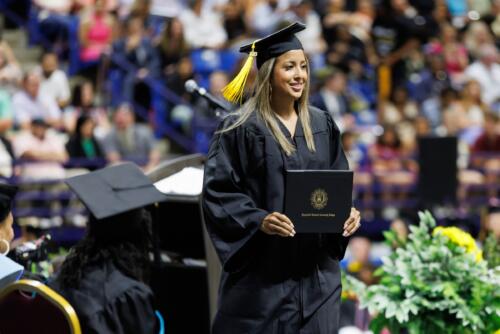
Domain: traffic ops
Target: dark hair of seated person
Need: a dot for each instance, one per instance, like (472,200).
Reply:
(88,148)
(124,239)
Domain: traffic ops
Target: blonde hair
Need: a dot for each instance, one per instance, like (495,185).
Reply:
(260,102)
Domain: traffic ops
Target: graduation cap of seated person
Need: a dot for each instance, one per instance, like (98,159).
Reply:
(7,194)
(271,46)
(114,190)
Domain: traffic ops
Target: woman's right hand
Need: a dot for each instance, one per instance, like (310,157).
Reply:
(277,223)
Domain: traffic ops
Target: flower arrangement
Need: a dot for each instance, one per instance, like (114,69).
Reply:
(434,282)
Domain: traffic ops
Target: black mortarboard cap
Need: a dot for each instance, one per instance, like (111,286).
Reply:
(113,190)
(276,44)
(263,49)
(7,194)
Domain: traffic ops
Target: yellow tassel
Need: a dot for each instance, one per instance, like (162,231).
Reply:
(233,92)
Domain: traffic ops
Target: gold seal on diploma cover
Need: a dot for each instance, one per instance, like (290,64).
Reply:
(319,199)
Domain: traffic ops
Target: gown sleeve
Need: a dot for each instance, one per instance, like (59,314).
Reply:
(232,216)
(337,244)
(131,312)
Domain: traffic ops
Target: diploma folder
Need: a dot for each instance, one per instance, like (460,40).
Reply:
(318,201)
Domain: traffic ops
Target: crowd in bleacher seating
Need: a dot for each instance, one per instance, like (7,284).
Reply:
(389,71)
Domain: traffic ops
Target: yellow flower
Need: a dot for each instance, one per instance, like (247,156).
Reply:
(479,258)
(349,295)
(460,238)
(354,267)
(497,331)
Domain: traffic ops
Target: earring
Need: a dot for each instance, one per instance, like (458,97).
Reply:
(8,246)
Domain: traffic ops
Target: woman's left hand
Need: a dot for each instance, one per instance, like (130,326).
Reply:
(352,223)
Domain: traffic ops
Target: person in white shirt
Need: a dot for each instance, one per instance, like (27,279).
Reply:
(265,16)
(45,150)
(54,82)
(29,104)
(202,27)
(167,8)
(311,38)
(43,153)
(486,71)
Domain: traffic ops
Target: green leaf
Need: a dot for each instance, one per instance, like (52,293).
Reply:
(378,324)
(378,272)
(390,238)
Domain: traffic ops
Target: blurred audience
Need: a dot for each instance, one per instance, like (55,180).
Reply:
(54,21)
(84,103)
(137,50)
(399,108)
(172,46)
(486,153)
(96,31)
(360,264)
(477,34)
(6,49)
(431,79)
(183,72)
(393,168)
(84,146)
(54,83)
(465,117)
(203,27)
(486,71)
(312,37)
(130,141)
(357,156)
(43,151)
(10,73)
(454,53)
(332,97)
(42,154)
(30,103)
(233,12)
(265,16)
(435,107)
(216,82)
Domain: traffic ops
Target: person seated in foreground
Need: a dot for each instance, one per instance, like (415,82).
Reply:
(104,277)
(10,271)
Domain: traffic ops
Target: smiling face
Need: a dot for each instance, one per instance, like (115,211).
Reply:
(289,75)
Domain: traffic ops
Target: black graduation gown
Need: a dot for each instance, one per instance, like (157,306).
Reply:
(270,284)
(107,301)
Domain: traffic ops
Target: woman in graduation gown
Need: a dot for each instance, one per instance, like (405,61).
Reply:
(273,280)
(104,275)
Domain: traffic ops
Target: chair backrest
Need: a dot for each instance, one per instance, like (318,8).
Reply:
(28,306)
(161,322)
